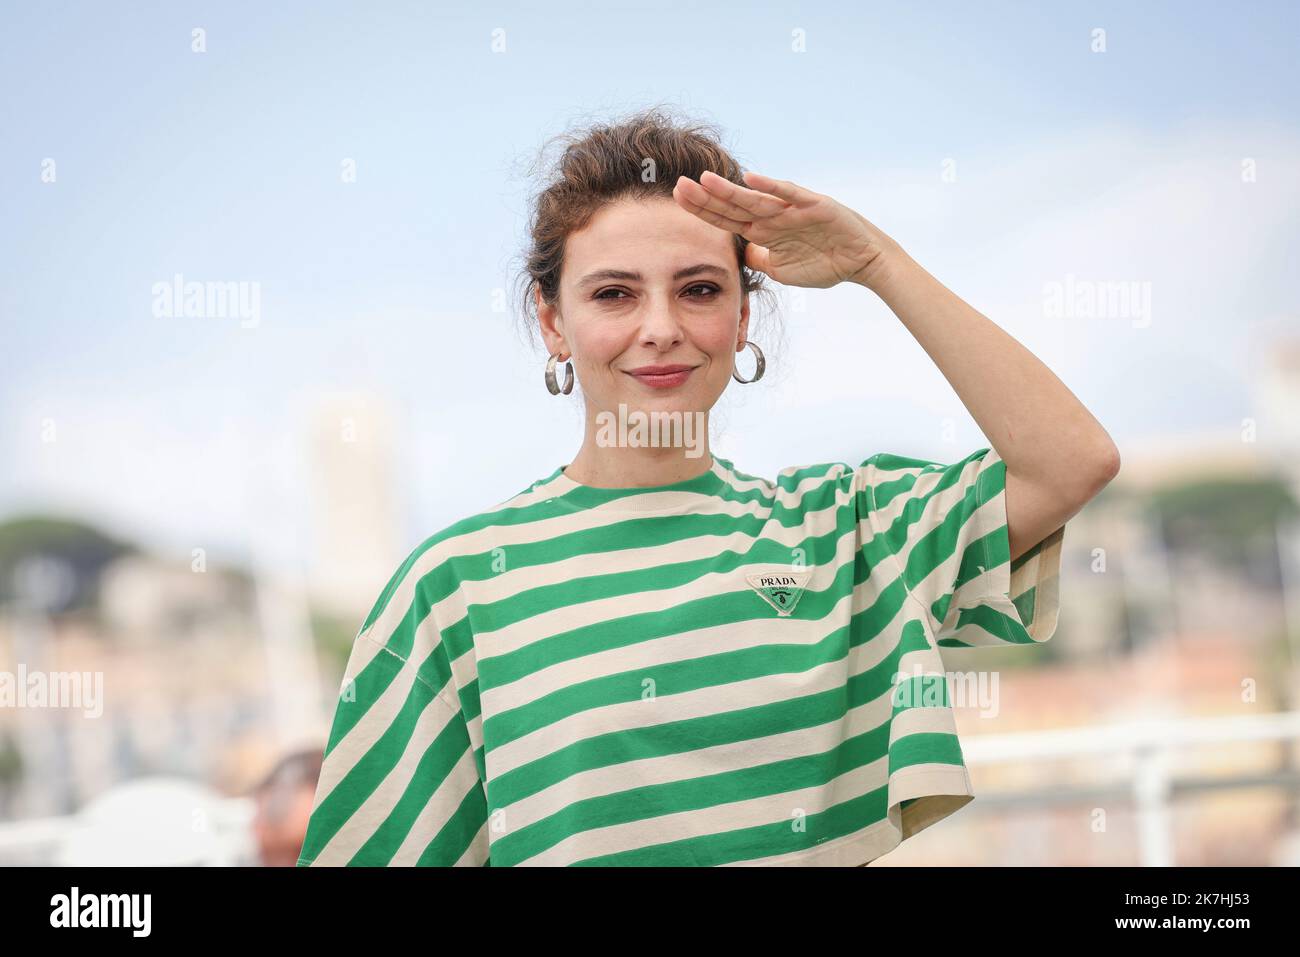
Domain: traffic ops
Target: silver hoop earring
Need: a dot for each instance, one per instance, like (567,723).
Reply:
(551,384)
(759,367)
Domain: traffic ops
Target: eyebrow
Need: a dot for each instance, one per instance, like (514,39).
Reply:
(602,275)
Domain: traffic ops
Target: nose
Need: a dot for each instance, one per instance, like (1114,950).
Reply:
(660,326)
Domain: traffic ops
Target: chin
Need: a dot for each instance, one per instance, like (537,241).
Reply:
(665,403)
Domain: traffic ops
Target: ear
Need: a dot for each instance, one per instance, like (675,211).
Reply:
(551,324)
(742,331)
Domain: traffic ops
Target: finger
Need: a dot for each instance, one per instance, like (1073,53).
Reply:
(781,188)
(744,203)
(757,257)
(704,199)
(680,193)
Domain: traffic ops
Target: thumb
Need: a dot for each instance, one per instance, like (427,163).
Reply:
(757,257)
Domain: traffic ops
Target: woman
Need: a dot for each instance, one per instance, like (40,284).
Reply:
(649,657)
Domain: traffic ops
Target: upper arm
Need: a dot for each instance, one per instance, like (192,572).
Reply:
(1032,514)
(1035,511)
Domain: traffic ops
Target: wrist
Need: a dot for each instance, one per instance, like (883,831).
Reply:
(884,268)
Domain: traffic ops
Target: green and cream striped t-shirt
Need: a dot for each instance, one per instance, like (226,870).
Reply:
(700,673)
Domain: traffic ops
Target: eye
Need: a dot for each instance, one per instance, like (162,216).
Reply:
(700,290)
(708,287)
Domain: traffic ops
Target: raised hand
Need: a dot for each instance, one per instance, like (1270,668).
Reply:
(796,236)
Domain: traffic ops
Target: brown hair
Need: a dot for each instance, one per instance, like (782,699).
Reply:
(641,155)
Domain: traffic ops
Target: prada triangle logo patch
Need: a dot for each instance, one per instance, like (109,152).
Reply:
(780,589)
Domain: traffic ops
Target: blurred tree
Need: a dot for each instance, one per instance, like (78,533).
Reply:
(1224,519)
(11,768)
(333,636)
(29,544)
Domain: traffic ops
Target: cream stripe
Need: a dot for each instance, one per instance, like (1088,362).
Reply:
(476,855)
(372,812)
(940,789)
(377,718)
(986,518)
(461,780)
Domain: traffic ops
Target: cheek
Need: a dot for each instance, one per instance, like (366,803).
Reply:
(718,340)
(601,343)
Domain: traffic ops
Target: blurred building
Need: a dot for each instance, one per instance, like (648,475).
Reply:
(179,675)
(206,671)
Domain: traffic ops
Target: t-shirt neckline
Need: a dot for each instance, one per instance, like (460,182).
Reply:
(644,498)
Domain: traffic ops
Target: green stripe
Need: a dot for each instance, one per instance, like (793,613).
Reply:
(381,757)
(435,765)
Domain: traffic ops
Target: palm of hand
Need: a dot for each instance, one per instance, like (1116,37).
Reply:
(798,237)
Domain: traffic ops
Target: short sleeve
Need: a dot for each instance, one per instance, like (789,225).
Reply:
(946,525)
(400,785)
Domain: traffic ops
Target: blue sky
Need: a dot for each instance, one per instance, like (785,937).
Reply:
(225,165)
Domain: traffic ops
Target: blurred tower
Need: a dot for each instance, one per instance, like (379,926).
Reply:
(354,508)
(1277,397)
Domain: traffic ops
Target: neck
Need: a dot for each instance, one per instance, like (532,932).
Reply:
(609,459)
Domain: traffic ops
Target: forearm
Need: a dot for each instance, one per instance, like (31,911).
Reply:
(1044,434)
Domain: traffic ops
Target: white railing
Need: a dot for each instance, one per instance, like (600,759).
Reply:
(1146,745)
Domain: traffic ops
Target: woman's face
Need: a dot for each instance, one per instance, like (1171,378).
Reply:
(648,284)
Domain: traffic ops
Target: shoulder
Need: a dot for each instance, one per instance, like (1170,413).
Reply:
(802,488)
(889,474)
(887,462)
(789,477)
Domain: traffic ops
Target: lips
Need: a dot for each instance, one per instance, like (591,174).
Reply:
(661,377)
